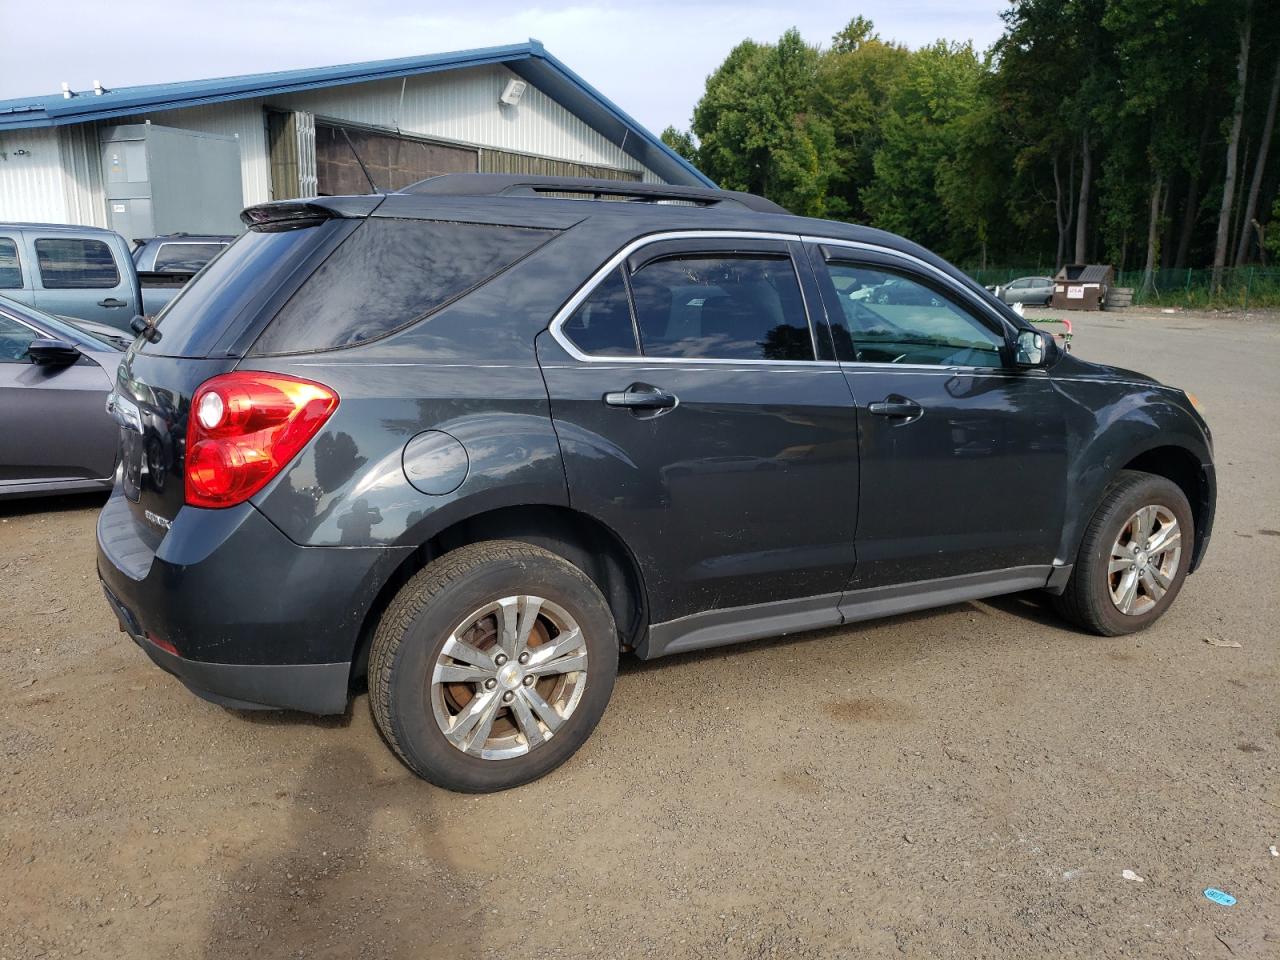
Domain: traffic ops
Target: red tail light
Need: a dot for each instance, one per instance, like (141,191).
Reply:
(244,427)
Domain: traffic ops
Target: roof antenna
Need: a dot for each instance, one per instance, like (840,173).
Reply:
(346,136)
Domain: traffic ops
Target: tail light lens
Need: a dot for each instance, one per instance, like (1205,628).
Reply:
(244,427)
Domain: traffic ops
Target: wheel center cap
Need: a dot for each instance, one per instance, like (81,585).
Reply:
(1142,559)
(510,676)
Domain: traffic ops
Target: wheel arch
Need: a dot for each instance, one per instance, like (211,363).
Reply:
(1180,462)
(1184,469)
(578,537)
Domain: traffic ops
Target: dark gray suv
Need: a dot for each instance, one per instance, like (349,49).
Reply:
(475,439)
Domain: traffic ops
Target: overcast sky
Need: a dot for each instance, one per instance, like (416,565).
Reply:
(651,58)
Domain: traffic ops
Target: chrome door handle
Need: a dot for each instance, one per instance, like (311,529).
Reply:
(898,408)
(642,396)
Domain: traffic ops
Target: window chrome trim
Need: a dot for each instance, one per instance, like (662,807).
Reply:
(565,312)
(1004,324)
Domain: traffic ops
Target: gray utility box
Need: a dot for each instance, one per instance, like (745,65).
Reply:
(161,180)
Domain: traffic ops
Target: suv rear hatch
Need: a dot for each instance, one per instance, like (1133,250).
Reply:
(205,331)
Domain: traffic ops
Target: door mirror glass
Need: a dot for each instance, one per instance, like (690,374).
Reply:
(54,353)
(1031,349)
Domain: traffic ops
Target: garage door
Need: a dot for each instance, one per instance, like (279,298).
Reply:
(394,162)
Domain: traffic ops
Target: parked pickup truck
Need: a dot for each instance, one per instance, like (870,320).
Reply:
(81,272)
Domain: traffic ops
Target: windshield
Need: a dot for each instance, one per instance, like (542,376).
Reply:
(53,326)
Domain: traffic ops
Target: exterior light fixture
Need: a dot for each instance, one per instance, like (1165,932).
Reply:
(512,93)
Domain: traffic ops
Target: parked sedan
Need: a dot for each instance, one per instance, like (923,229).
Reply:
(1034,290)
(55,433)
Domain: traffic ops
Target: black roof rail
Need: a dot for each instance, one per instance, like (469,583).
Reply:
(524,185)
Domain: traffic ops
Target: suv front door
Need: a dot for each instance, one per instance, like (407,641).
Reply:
(702,420)
(963,455)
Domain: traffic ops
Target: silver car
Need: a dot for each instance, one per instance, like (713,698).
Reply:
(55,433)
(1033,290)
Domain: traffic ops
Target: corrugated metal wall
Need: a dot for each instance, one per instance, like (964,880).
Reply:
(458,105)
(31,177)
(462,105)
(82,175)
(60,179)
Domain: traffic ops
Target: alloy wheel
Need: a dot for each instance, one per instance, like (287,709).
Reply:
(508,677)
(1144,560)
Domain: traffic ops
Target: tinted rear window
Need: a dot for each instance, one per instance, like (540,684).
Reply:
(241,279)
(388,274)
(187,257)
(72,263)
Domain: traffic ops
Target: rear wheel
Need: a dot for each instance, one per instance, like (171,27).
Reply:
(492,666)
(1133,558)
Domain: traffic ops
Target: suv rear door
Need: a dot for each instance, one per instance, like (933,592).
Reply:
(701,417)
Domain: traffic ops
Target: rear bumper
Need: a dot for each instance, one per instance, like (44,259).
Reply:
(310,687)
(240,613)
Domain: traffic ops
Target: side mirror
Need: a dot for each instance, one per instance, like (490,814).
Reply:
(1031,349)
(53,353)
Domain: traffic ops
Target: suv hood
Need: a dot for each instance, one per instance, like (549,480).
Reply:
(1072,366)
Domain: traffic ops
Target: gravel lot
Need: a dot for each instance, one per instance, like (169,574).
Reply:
(968,782)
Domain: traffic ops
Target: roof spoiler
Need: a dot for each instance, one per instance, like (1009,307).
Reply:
(523,185)
(294,214)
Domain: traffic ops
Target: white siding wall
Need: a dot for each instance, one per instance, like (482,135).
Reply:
(460,105)
(61,180)
(31,186)
(463,105)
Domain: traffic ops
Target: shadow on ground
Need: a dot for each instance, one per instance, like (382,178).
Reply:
(359,871)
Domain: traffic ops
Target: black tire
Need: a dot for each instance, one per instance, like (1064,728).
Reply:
(1087,602)
(413,631)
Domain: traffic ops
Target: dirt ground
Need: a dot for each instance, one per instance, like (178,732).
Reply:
(967,782)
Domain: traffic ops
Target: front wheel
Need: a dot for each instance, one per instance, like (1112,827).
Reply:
(1133,559)
(492,666)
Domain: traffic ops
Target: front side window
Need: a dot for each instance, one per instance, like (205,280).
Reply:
(601,326)
(14,340)
(10,269)
(73,263)
(892,318)
(725,307)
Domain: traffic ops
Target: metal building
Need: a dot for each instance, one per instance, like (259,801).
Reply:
(123,157)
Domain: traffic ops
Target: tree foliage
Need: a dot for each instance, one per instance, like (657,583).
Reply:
(1097,127)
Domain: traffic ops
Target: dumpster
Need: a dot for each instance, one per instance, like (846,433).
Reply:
(1082,286)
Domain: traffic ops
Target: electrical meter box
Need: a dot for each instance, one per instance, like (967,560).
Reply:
(161,180)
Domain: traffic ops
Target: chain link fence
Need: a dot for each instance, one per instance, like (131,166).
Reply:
(1241,287)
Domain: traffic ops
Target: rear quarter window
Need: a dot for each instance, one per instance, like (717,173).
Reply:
(74,263)
(388,274)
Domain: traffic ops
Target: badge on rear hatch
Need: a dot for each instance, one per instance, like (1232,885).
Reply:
(158,520)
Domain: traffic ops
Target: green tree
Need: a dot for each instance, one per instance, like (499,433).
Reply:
(854,85)
(756,130)
(681,142)
(922,131)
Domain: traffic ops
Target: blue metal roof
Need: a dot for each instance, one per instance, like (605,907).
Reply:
(529,60)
